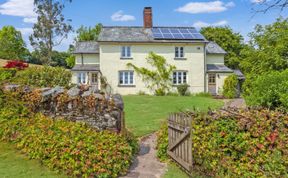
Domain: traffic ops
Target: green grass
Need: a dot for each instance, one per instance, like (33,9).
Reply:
(14,165)
(144,114)
(174,171)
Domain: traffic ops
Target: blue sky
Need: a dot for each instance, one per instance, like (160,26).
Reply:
(198,13)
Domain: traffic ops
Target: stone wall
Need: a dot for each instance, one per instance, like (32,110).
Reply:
(78,104)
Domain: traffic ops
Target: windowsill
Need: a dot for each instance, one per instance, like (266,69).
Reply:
(126,58)
(126,86)
(180,58)
(176,85)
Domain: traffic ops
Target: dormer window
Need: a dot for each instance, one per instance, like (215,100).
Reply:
(126,52)
(179,52)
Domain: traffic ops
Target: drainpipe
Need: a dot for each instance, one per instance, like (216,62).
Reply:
(205,67)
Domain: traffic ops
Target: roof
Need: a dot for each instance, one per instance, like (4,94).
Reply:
(218,68)
(86,67)
(214,48)
(88,47)
(239,74)
(136,34)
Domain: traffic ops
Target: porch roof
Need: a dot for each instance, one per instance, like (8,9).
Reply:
(86,67)
(218,68)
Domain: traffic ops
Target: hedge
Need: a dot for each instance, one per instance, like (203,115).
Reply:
(268,90)
(244,143)
(72,148)
(230,86)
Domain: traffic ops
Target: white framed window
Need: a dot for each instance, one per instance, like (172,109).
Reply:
(126,77)
(126,52)
(212,79)
(179,77)
(94,78)
(82,78)
(179,52)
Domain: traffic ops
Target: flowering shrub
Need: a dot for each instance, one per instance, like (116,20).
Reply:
(43,77)
(20,65)
(6,74)
(69,147)
(240,143)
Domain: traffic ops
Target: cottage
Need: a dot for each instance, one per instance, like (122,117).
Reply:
(199,63)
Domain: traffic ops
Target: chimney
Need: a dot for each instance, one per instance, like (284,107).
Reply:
(148,18)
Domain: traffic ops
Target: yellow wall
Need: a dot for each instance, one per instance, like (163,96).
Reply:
(111,64)
(220,78)
(87,58)
(215,58)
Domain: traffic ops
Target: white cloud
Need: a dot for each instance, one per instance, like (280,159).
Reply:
(19,8)
(201,24)
(25,31)
(205,7)
(120,16)
(257,1)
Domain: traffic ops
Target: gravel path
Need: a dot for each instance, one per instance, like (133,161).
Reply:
(146,164)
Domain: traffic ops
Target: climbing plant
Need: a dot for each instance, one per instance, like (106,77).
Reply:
(158,78)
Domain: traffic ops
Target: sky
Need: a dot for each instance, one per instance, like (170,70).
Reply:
(198,13)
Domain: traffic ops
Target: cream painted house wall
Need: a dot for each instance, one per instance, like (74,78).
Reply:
(215,59)
(111,63)
(87,58)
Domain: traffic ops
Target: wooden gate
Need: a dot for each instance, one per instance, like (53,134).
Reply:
(180,141)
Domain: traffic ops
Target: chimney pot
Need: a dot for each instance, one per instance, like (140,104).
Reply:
(148,17)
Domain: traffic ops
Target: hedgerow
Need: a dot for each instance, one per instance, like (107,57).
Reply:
(72,148)
(239,143)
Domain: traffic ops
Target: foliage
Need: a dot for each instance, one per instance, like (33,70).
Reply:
(59,59)
(88,33)
(69,147)
(239,143)
(50,28)
(159,79)
(43,77)
(6,74)
(162,142)
(182,89)
(230,41)
(70,61)
(20,65)
(12,45)
(268,90)
(230,86)
(267,49)
(204,94)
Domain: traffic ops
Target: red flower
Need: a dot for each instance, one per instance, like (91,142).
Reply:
(20,65)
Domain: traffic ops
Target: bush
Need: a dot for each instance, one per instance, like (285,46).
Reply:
(268,90)
(237,143)
(70,147)
(6,74)
(44,77)
(230,86)
(182,89)
(162,142)
(19,65)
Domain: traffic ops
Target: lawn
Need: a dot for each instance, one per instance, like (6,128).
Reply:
(144,114)
(14,165)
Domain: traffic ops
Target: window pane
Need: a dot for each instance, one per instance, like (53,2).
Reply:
(79,77)
(123,51)
(176,52)
(131,78)
(174,78)
(181,52)
(179,77)
(121,77)
(128,51)
(184,77)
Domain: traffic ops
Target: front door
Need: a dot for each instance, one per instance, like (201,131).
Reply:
(212,83)
(94,79)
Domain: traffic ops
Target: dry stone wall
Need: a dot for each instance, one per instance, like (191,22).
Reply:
(78,104)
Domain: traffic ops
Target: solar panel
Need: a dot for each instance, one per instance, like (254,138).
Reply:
(176,33)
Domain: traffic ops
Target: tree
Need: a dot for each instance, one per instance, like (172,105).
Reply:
(159,79)
(264,6)
(70,61)
(268,49)
(88,33)
(51,27)
(230,41)
(12,45)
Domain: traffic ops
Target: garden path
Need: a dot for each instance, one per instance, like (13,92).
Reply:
(238,103)
(146,164)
